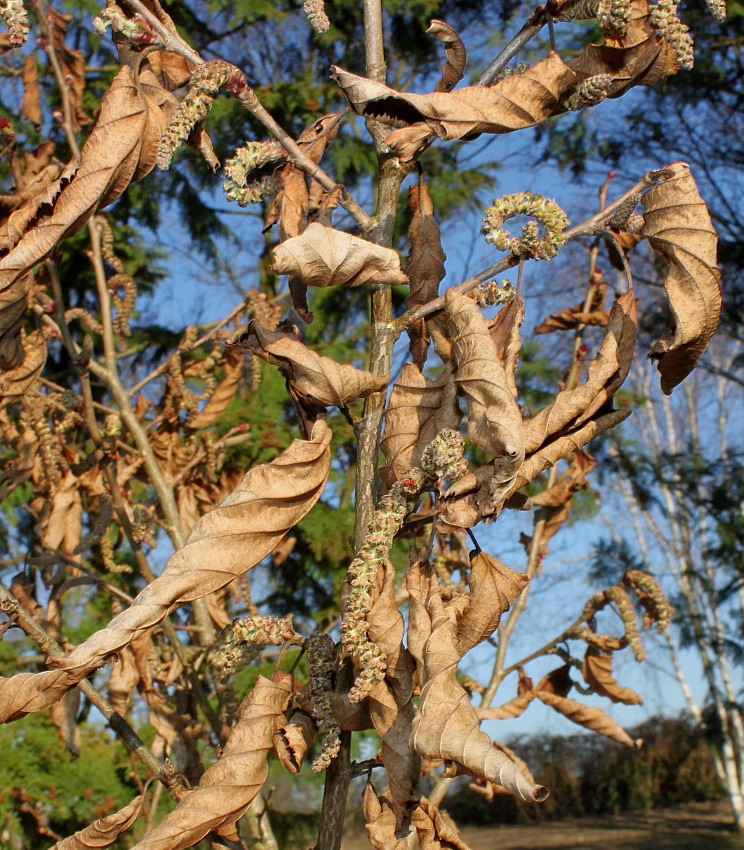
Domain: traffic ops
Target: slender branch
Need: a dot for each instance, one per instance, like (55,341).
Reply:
(544,650)
(531,28)
(64,89)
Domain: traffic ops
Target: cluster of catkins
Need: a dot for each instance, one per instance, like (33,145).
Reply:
(242,634)
(16,19)
(590,92)
(136,29)
(321,656)
(493,292)
(442,458)
(530,243)
(655,604)
(663,16)
(613,16)
(251,157)
(656,607)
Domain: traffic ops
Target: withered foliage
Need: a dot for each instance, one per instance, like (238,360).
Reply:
(391,661)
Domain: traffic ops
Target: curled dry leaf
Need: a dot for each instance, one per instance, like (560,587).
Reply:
(64,717)
(393,722)
(290,206)
(105,831)
(588,717)
(419,408)
(293,739)
(16,382)
(229,785)
(425,264)
(597,671)
(514,103)
(435,829)
(322,256)
(557,500)
(108,163)
(678,226)
(64,526)
(385,628)
(447,725)
(31,103)
(580,314)
(641,57)
(504,329)
(380,821)
(605,375)
(493,590)
(224,544)
(514,708)
(494,419)
(223,394)
(124,678)
(565,445)
(421,582)
(320,379)
(455,51)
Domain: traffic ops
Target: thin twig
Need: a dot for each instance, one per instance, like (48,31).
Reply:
(531,28)
(587,228)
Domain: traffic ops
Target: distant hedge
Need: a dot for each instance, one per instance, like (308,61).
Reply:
(589,775)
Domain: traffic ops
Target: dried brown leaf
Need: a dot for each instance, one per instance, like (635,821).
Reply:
(418,410)
(293,739)
(291,204)
(420,583)
(588,717)
(31,103)
(108,161)
(64,527)
(454,50)
(64,717)
(224,393)
(678,226)
(565,445)
(229,785)
(435,829)
(105,831)
(124,678)
(224,544)
(494,419)
(642,57)
(514,708)
(392,719)
(320,379)
(385,628)
(597,671)
(514,103)
(16,382)
(447,725)
(577,315)
(322,256)
(493,590)
(504,329)
(380,820)
(605,375)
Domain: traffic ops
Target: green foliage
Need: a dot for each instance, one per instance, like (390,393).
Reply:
(71,793)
